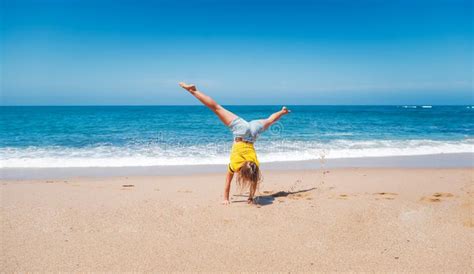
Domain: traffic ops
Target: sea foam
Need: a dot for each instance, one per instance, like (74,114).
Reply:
(273,151)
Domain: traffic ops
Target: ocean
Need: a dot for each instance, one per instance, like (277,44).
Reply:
(115,136)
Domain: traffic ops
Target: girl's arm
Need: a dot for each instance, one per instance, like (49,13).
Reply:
(228,180)
(275,117)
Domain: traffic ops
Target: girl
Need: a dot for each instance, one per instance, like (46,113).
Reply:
(243,158)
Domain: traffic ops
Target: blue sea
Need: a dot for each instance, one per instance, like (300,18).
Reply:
(102,136)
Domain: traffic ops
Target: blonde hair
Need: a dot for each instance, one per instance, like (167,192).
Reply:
(249,177)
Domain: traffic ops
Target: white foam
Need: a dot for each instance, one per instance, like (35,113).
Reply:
(274,151)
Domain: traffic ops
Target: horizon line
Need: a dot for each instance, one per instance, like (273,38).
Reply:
(194,105)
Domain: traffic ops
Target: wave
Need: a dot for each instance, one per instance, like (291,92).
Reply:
(210,154)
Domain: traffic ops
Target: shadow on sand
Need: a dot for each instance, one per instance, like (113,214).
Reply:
(268,199)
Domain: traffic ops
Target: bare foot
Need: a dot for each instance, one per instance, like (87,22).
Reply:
(226,202)
(191,88)
(250,201)
(285,110)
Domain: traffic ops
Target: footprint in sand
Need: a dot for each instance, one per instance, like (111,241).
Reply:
(339,197)
(185,191)
(386,195)
(469,223)
(443,194)
(436,197)
(343,196)
(298,196)
(294,196)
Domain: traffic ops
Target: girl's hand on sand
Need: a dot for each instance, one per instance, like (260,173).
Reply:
(190,88)
(285,110)
(226,202)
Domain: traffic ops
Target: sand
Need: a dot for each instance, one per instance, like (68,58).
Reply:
(352,219)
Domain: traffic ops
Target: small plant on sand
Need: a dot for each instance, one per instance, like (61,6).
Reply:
(322,160)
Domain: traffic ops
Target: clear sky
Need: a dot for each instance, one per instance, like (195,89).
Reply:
(80,52)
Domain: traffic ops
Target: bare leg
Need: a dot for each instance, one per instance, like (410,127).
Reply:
(226,116)
(275,117)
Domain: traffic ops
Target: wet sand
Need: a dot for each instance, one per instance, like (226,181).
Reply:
(352,219)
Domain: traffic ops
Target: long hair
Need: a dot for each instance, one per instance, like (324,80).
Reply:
(249,177)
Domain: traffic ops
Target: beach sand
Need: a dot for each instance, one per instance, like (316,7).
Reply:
(351,219)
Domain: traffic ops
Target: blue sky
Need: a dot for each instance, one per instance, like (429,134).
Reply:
(81,52)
